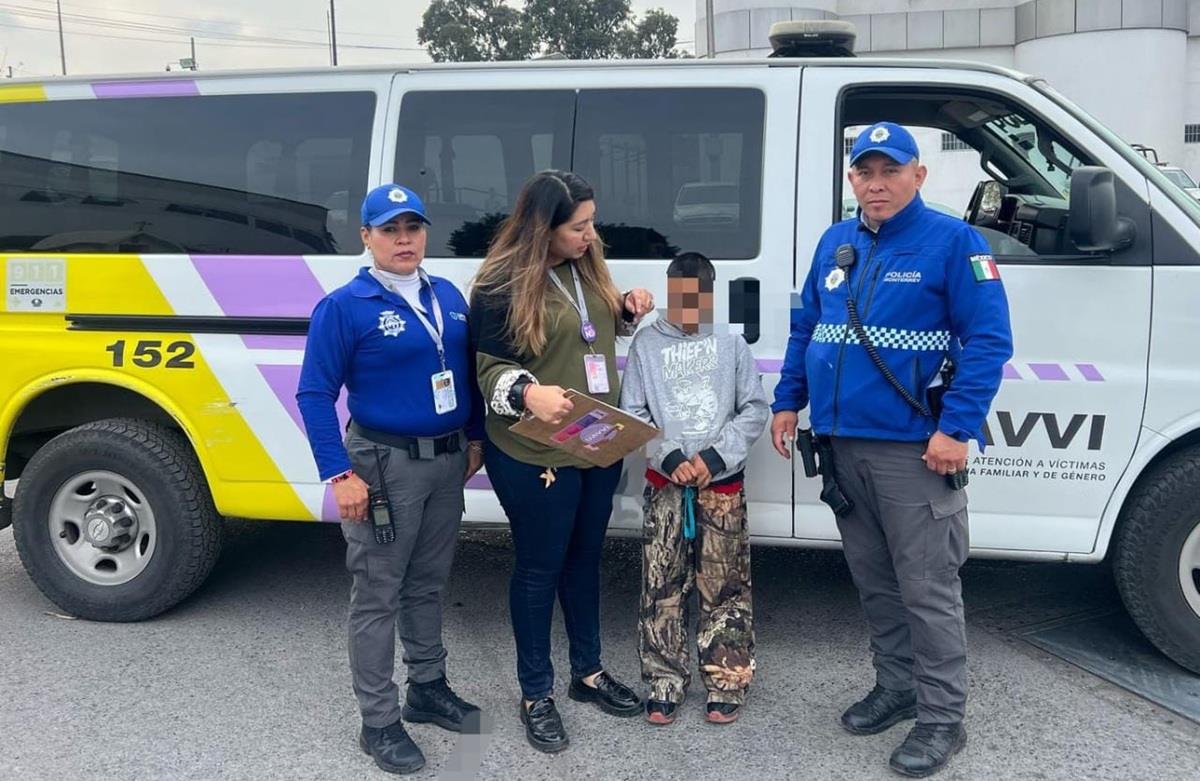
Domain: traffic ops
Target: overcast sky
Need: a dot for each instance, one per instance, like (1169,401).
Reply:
(117,36)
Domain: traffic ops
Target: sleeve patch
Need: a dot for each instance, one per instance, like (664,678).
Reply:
(985,268)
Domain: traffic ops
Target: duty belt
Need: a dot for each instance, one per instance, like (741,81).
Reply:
(419,448)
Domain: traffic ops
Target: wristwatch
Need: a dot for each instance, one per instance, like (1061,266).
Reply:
(343,476)
(516,395)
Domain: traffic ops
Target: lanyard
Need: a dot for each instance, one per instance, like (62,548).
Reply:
(434,333)
(587,329)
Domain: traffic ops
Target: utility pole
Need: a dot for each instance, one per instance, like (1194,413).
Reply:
(194,63)
(332,32)
(709,34)
(62,48)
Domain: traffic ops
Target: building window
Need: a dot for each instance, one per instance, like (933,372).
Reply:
(847,145)
(952,143)
(1191,134)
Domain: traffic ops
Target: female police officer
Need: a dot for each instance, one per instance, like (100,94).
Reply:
(396,339)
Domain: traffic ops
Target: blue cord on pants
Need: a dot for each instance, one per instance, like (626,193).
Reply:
(689,512)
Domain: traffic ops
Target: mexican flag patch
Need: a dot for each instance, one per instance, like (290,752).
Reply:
(984,268)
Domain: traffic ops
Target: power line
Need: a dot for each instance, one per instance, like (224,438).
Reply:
(116,24)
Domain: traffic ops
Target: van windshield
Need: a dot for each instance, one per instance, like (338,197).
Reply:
(1185,202)
(1050,159)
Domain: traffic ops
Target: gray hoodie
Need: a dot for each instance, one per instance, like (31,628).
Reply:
(702,391)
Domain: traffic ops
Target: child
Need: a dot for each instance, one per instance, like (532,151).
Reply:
(703,391)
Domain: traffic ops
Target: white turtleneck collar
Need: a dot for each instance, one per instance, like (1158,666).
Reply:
(408,286)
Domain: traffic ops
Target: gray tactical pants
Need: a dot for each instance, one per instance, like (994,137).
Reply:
(399,585)
(904,542)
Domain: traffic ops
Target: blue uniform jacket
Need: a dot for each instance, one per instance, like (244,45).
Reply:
(367,338)
(926,289)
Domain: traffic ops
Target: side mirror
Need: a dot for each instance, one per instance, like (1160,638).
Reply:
(1093,223)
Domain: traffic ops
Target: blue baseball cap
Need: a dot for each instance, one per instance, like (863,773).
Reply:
(389,201)
(887,138)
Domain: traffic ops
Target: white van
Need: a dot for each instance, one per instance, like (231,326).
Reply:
(164,242)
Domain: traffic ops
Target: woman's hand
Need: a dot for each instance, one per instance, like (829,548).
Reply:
(474,458)
(351,497)
(547,403)
(639,302)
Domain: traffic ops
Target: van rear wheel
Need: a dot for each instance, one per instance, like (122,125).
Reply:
(113,520)
(1157,557)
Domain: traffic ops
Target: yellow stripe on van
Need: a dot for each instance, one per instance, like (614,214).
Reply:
(22,93)
(39,355)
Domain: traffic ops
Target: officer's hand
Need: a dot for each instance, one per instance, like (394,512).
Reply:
(351,496)
(548,403)
(945,455)
(474,458)
(684,474)
(783,432)
(703,476)
(639,302)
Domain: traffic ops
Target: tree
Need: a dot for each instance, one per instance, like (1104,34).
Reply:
(475,31)
(482,30)
(650,39)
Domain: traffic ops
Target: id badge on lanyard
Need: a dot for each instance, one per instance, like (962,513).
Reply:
(595,366)
(445,399)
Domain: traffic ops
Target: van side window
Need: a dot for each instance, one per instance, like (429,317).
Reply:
(674,169)
(215,174)
(468,153)
(993,163)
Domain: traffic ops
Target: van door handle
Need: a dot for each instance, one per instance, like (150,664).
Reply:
(744,306)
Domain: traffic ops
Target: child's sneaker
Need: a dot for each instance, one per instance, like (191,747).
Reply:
(723,712)
(659,712)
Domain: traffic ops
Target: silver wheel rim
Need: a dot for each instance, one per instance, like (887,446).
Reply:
(102,527)
(1189,569)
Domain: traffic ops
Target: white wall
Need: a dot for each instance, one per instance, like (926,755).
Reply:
(1191,107)
(1131,80)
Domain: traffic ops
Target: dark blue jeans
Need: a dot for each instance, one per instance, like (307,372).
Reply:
(558,534)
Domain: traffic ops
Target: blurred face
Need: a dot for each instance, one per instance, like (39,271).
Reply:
(398,245)
(883,187)
(571,240)
(687,306)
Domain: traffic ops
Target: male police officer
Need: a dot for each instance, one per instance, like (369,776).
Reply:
(893,299)
(396,338)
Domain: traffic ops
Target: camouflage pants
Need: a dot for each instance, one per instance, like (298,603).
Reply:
(717,564)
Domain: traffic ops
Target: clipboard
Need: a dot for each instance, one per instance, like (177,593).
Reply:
(593,431)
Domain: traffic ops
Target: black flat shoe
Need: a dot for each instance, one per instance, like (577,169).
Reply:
(879,710)
(609,695)
(391,748)
(927,749)
(435,702)
(543,726)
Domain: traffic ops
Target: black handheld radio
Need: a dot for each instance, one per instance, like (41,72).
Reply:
(380,509)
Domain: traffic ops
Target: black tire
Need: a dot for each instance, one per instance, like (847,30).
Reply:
(161,463)
(1162,512)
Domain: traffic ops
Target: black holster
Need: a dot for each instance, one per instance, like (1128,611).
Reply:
(816,451)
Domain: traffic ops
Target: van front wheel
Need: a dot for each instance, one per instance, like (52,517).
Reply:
(113,520)
(1157,557)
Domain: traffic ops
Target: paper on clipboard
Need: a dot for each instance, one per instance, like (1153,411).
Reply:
(596,432)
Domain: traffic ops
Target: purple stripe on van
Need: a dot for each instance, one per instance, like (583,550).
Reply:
(1050,372)
(260,286)
(284,380)
(1090,372)
(1010,372)
(769,365)
(479,482)
(273,342)
(151,88)
(329,508)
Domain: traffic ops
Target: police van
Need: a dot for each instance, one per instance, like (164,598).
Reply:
(165,239)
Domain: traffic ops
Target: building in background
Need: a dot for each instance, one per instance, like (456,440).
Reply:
(1133,64)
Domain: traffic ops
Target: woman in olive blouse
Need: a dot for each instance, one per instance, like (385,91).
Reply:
(545,315)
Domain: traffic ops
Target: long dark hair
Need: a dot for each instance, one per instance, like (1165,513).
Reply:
(519,255)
